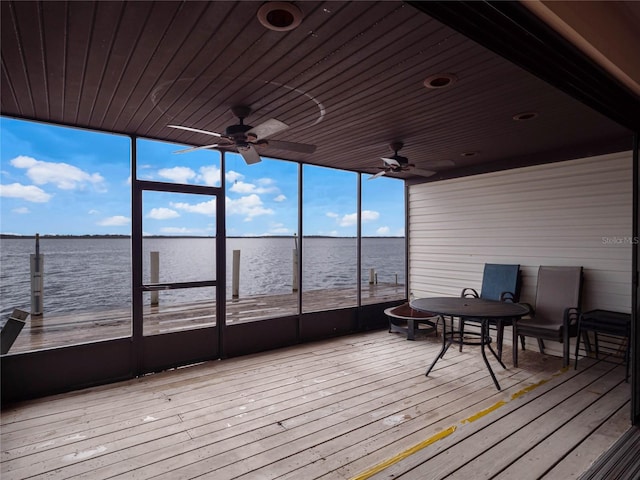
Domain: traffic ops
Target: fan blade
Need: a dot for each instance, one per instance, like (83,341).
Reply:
(422,173)
(391,161)
(191,149)
(268,128)
(189,129)
(291,146)
(441,163)
(249,154)
(379,174)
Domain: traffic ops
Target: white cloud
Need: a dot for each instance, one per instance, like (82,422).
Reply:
(210,175)
(176,230)
(266,182)
(21,210)
(383,231)
(370,215)
(232,176)
(177,174)
(93,211)
(162,213)
(62,175)
(115,221)
(243,187)
(280,198)
(204,208)
(251,206)
(30,193)
(332,215)
(351,218)
(278,229)
(348,220)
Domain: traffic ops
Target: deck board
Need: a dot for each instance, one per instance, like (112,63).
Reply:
(601,439)
(332,409)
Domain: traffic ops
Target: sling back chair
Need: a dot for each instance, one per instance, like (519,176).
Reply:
(499,282)
(556,312)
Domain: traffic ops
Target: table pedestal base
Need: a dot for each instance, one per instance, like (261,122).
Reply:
(485,340)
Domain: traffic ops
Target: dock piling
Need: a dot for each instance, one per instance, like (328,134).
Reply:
(154,276)
(235,278)
(37,280)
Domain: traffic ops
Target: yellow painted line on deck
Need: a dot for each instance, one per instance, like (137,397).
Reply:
(484,412)
(387,463)
(445,433)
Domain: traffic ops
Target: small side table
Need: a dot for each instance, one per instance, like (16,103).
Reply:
(606,322)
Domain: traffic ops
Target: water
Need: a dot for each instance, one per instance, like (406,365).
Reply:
(95,273)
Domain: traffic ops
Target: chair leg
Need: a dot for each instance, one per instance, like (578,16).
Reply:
(521,341)
(514,352)
(565,347)
(461,328)
(541,345)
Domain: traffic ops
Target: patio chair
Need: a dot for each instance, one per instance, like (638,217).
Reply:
(556,312)
(499,282)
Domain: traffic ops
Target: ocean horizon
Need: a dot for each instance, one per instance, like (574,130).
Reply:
(94,272)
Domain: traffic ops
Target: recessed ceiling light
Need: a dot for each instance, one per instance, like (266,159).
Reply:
(525,116)
(279,16)
(440,80)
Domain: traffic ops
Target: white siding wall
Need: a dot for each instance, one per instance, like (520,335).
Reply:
(577,212)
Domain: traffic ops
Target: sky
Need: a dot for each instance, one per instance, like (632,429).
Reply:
(63,181)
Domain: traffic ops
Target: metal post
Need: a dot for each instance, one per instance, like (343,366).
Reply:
(155,276)
(295,264)
(37,270)
(235,278)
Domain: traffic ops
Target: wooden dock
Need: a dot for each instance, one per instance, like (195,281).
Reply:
(94,325)
(352,407)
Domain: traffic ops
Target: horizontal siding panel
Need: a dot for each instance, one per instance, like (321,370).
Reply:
(568,213)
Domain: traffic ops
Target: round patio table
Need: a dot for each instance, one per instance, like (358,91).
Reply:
(477,308)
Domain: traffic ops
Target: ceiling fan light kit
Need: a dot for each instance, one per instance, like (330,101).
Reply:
(245,138)
(398,164)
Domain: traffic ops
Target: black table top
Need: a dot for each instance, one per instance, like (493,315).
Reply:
(469,307)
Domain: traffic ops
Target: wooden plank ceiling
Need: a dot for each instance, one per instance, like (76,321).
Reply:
(349,79)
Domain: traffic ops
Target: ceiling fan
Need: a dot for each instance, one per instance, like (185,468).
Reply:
(247,140)
(397,163)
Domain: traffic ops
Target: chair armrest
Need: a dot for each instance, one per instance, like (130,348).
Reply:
(532,311)
(469,292)
(571,316)
(507,297)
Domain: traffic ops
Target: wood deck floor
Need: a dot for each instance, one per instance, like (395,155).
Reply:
(352,407)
